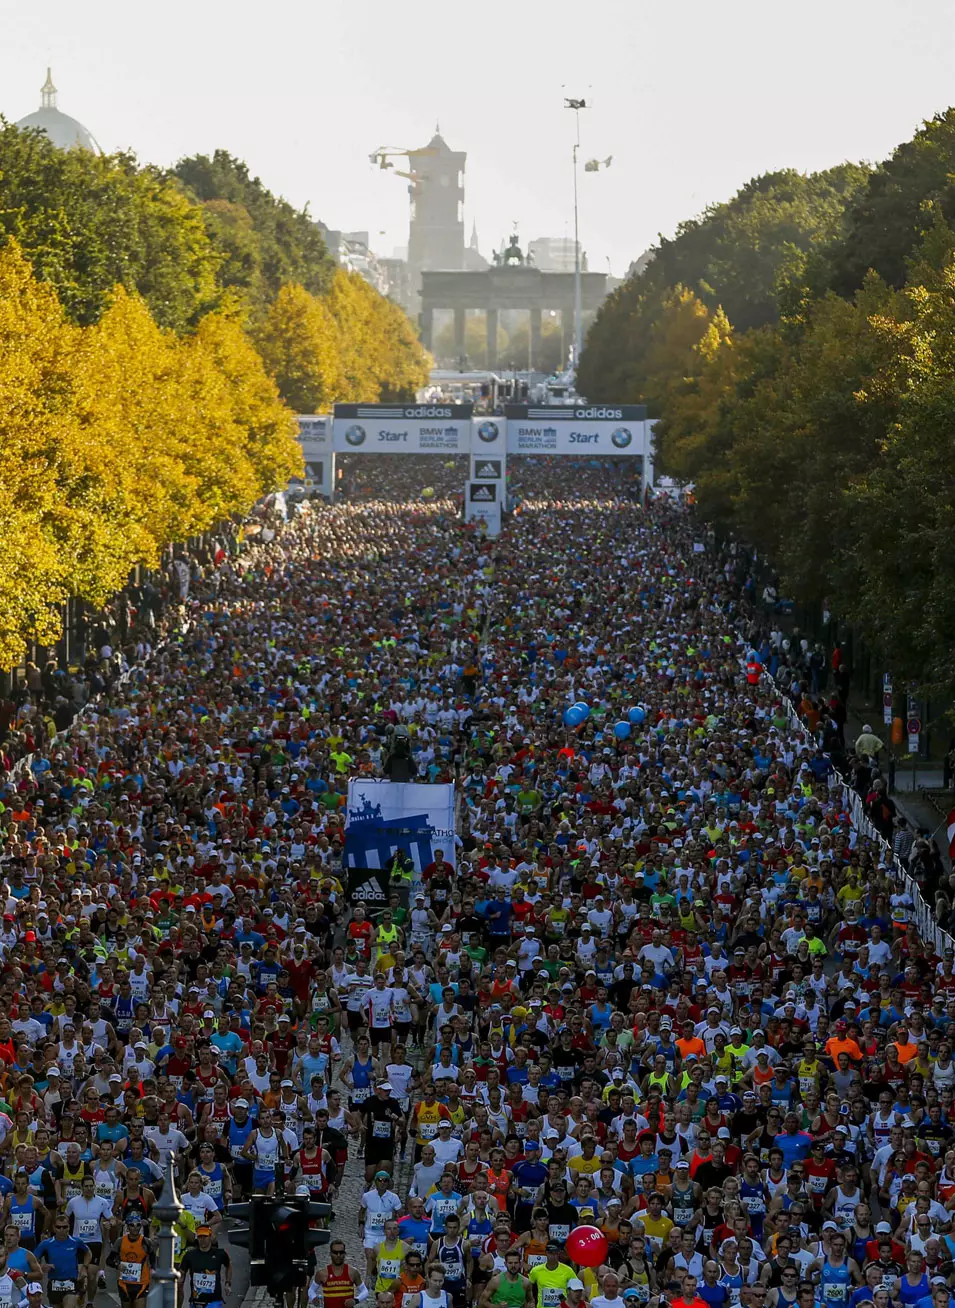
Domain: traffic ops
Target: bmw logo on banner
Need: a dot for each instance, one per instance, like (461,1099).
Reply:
(488,432)
(355,435)
(621,437)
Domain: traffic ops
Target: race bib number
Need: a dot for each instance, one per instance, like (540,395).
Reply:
(359,1096)
(86,1228)
(62,1287)
(204,1282)
(382,1130)
(428,1130)
(131,1272)
(22,1221)
(551,1296)
(834,1292)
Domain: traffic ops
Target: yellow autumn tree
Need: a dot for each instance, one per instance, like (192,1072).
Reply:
(116,440)
(35,348)
(265,427)
(352,345)
(348,307)
(298,340)
(404,365)
(124,394)
(380,353)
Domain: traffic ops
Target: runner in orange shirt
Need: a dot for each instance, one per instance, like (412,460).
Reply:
(690,1045)
(841,1043)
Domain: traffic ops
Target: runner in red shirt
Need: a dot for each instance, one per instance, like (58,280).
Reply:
(361,931)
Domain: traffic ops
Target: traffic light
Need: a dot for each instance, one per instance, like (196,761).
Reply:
(251,1237)
(279,1238)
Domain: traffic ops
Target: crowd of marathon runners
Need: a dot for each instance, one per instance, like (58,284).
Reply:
(668,992)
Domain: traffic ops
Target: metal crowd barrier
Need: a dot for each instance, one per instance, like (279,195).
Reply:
(929,928)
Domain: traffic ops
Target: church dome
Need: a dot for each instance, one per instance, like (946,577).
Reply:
(65,132)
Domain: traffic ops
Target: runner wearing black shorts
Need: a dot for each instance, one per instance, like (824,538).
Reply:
(383,1118)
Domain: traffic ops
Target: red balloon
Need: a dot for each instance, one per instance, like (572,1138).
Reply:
(587,1246)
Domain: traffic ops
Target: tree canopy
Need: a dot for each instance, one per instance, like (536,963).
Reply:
(90,222)
(888,217)
(797,348)
(118,438)
(154,330)
(263,242)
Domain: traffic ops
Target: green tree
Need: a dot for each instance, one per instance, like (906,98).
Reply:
(612,366)
(264,241)
(900,513)
(91,222)
(889,216)
(742,256)
(739,254)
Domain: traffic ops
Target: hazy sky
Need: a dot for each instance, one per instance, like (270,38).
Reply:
(690,98)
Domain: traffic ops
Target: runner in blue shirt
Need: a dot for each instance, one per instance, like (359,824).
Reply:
(66,1260)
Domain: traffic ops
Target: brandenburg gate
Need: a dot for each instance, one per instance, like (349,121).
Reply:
(506,286)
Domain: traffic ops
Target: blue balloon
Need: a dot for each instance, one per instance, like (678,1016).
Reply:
(637,715)
(573,716)
(621,730)
(584,710)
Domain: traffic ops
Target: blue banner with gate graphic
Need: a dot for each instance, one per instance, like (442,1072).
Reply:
(387,816)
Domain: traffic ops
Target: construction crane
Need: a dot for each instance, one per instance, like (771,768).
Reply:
(383,156)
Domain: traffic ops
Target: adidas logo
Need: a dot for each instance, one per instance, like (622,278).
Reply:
(487,470)
(482,493)
(369,891)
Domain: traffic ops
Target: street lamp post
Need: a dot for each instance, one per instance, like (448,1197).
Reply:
(576,105)
(165,1278)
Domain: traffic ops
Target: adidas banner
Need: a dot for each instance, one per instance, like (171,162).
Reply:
(483,500)
(402,428)
(581,430)
(385,816)
(369,886)
(486,469)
